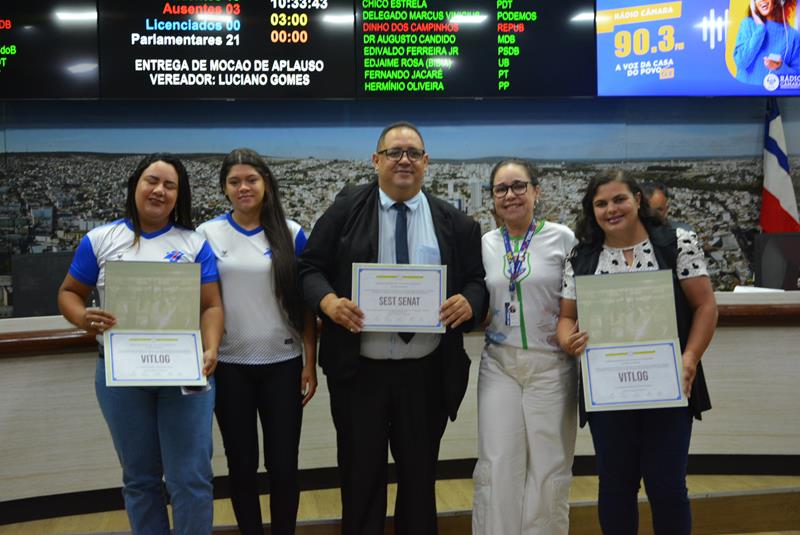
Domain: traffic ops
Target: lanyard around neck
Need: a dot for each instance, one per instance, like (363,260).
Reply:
(515,260)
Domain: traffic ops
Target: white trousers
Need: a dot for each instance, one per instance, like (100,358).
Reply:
(527,421)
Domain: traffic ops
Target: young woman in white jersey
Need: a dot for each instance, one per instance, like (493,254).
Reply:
(526,386)
(261,373)
(161,434)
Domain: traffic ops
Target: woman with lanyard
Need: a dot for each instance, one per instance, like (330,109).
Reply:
(526,386)
(162,434)
(261,372)
(619,232)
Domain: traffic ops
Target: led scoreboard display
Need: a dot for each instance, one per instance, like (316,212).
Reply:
(226,49)
(475,48)
(308,49)
(48,49)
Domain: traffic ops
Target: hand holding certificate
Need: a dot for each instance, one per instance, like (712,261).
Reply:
(633,358)
(157,340)
(400,297)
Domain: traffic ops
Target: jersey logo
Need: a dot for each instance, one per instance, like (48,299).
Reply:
(174,256)
(525,268)
(268,253)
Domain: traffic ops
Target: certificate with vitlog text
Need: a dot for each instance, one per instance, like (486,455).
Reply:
(633,358)
(400,297)
(156,341)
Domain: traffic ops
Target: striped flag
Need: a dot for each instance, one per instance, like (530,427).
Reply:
(778,204)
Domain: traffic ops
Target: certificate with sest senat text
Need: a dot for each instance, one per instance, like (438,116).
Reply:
(400,297)
(633,358)
(156,341)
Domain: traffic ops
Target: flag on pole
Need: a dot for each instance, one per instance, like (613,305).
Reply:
(778,203)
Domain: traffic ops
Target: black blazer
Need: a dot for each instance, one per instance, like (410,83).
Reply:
(584,260)
(348,232)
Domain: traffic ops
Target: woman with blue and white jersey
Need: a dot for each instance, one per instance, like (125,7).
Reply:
(162,434)
(261,372)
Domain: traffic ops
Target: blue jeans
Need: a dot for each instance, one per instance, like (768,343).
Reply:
(652,444)
(161,436)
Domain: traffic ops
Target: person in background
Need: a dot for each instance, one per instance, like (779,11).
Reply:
(161,434)
(261,373)
(527,406)
(618,232)
(392,389)
(658,196)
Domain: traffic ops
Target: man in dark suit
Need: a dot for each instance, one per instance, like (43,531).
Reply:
(392,389)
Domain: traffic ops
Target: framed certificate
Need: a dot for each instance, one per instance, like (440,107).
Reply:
(156,341)
(400,297)
(633,359)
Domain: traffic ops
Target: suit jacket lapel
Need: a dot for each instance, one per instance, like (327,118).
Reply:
(362,227)
(373,213)
(442,226)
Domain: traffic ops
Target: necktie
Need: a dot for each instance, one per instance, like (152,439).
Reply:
(401,234)
(401,247)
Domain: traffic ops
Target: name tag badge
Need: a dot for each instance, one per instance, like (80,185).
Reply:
(512,314)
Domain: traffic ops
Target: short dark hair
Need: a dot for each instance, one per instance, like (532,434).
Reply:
(273,220)
(530,170)
(398,124)
(587,230)
(651,186)
(181,214)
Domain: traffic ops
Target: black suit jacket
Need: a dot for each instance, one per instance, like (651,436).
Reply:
(348,232)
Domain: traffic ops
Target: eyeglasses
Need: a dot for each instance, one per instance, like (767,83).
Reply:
(518,187)
(396,155)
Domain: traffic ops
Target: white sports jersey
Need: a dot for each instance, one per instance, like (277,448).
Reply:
(114,241)
(256,327)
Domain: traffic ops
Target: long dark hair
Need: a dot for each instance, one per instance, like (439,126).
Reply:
(182,213)
(273,219)
(587,230)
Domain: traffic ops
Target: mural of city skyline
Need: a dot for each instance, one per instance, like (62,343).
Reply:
(59,179)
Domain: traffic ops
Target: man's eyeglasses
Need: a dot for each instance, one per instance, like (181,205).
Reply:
(396,155)
(518,187)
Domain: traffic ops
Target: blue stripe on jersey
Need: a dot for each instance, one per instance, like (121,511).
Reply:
(84,266)
(156,234)
(241,229)
(208,264)
(299,242)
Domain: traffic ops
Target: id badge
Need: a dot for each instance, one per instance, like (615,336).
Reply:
(512,313)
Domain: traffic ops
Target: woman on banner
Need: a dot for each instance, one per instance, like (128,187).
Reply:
(766,43)
(619,232)
(162,434)
(526,386)
(261,372)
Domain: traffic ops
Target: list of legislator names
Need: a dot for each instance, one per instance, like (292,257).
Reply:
(441,48)
(226,49)
(305,49)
